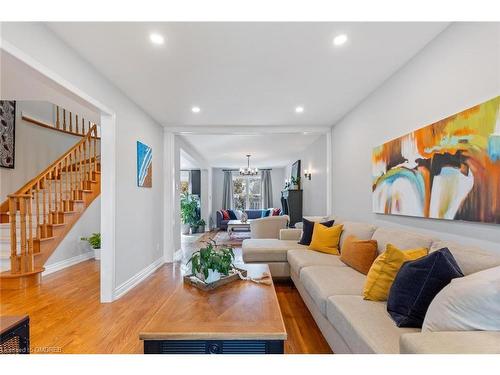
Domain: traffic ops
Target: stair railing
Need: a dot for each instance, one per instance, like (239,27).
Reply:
(52,192)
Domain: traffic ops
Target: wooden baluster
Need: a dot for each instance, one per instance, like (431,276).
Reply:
(14,259)
(95,148)
(44,207)
(83,126)
(71,122)
(30,256)
(71,176)
(84,162)
(82,157)
(64,119)
(22,220)
(67,184)
(49,187)
(76,125)
(61,202)
(58,124)
(37,208)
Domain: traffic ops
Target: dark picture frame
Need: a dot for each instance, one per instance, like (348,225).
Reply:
(296,171)
(7,133)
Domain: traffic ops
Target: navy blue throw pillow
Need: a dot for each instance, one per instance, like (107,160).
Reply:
(307,230)
(232,215)
(416,285)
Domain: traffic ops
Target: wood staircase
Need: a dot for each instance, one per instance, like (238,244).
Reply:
(35,219)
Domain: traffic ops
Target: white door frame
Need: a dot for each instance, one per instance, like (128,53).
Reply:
(108,164)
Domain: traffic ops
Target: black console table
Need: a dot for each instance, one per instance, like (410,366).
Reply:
(291,202)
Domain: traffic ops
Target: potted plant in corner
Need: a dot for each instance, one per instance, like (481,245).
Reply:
(95,243)
(201,226)
(189,205)
(211,261)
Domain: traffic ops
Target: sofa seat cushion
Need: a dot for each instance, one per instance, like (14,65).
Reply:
(322,282)
(468,342)
(268,250)
(365,326)
(470,259)
(299,259)
(401,239)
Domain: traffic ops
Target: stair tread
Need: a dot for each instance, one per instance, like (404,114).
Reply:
(8,274)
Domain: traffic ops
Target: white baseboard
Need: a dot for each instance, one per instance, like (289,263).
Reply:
(57,266)
(131,283)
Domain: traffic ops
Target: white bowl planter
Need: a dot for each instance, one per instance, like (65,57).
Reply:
(97,254)
(213,276)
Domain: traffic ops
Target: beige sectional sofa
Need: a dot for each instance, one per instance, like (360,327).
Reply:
(333,292)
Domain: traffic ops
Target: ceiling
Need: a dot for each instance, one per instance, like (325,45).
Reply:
(252,74)
(270,150)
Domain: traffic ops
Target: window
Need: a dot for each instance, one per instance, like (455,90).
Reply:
(185,182)
(247,192)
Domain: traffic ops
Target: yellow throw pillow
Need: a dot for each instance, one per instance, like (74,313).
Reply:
(326,239)
(384,270)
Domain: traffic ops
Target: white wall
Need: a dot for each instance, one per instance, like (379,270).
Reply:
(460,68)
(35,147)
(314,159)
(139,219)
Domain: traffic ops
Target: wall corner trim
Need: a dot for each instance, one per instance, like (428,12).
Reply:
(58,266)
(139,277)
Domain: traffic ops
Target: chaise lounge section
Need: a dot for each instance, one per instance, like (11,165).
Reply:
(333,292)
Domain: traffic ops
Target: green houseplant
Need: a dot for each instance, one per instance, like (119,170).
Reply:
(95,243)
(189,208)
(211,261)
(200,224)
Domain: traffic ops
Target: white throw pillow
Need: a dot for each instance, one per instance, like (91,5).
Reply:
(238,214)
(470,303)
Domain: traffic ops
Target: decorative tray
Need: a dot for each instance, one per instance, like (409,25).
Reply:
(200,284)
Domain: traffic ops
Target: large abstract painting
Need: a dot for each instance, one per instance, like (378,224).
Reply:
(446,170)
(144,165)
(7,133)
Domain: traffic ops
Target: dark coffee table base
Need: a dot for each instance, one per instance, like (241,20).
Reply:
(213,347)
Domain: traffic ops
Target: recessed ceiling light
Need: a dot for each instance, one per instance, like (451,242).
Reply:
(156,38)
(339,40)
(195,109)
(299,109)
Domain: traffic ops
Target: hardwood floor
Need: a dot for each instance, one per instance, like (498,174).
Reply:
(67,317)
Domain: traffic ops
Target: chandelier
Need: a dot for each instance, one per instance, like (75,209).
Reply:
(248,171)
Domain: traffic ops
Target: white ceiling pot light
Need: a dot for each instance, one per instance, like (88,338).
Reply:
(340,40)
(247,171)
(299,109)
(156,39)
(196,109)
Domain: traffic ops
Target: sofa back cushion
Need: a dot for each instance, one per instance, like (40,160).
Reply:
(359,254)
(401,239)
(362,231)
(255,214)
(470,259)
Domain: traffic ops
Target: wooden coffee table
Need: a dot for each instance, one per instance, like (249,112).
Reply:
(237,224)
(238,318)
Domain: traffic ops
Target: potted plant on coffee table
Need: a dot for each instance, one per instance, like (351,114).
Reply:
(95,243)
(211,262)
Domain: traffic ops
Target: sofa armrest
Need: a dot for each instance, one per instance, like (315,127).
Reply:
(458,342)
(290,234)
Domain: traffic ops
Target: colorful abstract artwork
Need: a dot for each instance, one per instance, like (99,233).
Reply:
(144,165)
(446,170)
(7,133)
